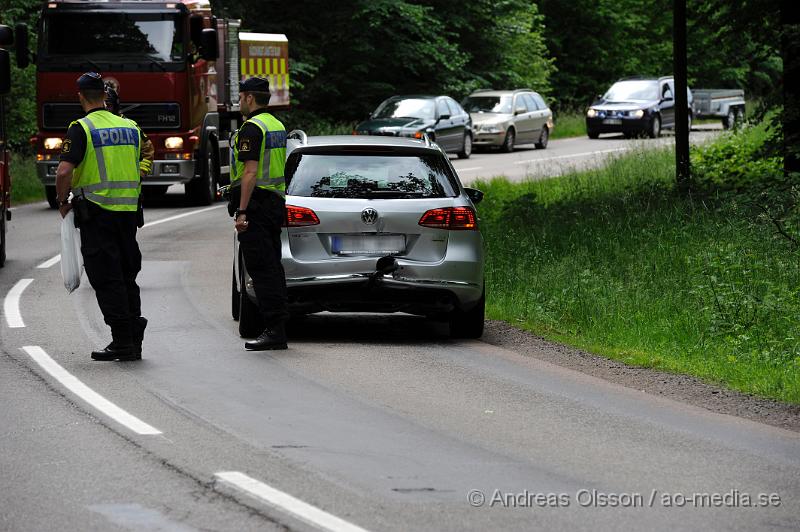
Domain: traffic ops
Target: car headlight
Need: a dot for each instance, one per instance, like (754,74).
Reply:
(637,114)
(173,143)
(52,143)
(591,113)
(490,128)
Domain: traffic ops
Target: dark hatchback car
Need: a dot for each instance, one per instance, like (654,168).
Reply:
(440,117)
(635,106)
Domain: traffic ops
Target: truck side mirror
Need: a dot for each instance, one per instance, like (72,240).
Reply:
(6,36)
(21,48)
(209,48)
(5,72)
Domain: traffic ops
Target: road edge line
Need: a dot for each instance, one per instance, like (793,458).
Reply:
(11,304)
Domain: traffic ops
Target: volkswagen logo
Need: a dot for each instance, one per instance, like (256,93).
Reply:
(369,216)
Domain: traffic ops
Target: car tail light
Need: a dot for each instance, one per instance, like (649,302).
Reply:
(452,218)
(300,216)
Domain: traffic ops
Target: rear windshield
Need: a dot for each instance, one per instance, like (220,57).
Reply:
(369,176)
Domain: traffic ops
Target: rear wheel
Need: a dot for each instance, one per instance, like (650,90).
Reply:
(234,296)
(544,137)
(50,194)
(466,148)
(2,237)
(468,324)
(250,321)
(203,190)
(508,142)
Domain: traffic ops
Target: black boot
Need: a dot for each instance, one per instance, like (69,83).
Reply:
(139,325)
(272,338)
(117,351)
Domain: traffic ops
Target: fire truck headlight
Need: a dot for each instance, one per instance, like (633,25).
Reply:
(173,143)
(52,143)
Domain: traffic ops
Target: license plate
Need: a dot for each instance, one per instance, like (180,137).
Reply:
(368,244)
(612,121)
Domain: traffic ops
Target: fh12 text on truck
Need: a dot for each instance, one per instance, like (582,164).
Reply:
(176,68)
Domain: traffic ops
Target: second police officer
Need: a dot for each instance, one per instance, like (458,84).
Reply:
(259,208)
(100,163)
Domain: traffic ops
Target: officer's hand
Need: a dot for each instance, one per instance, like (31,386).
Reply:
(64,209)
(241,223)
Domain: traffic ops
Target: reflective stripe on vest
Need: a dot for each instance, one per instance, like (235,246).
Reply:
(123,136)
(272,160)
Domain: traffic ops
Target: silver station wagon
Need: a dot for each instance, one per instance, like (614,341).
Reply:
(375,224)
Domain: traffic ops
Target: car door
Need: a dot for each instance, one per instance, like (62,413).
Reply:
(444,126)
(529,130)
(667,104)
(522,122)
(545,114)
(538,115)
(461,121)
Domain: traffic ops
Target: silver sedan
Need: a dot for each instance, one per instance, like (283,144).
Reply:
(375,224)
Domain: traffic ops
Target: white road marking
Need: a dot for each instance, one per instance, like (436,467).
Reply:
(283,501)
(584,154)
(471,168)
(11,304)
(87,394)
(55,260)
(179,216)
(50,262)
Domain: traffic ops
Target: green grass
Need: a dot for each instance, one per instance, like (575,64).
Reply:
(569,124)
(615,262)
(25,185)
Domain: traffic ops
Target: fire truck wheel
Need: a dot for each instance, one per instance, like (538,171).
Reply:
(203,190)
(50,194)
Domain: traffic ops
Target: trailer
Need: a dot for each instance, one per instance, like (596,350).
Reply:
(176,68)
(726,104)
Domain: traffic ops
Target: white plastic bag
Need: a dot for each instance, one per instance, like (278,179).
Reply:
(71,258)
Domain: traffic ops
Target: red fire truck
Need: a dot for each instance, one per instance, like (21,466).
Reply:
(176,68)
(6,39)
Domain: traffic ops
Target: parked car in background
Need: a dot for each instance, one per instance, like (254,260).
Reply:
(503,118)
(727,104)
(635,106)
(441,118)
(375,224)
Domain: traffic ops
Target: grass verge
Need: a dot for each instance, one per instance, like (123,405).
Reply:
(569,124)
(25,184)
(616,262)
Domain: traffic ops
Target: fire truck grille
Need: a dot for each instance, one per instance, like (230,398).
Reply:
(149,116)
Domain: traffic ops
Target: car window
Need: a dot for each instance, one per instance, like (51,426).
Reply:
(455,109)
(666,91)
(529,102)
(441,107)
(539,101)
(369,176)
(405,108)
(488,104)
(632,90)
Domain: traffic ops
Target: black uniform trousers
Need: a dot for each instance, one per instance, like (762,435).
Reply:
(112,261)
(261,249)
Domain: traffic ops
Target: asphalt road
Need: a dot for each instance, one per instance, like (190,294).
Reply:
(366,422)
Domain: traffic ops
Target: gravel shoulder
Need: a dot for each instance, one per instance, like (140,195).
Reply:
(683,388)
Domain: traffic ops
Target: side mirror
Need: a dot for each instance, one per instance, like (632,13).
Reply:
(5,72)
(520,111)
(475,195)
(22,51)
(444,117)
(209,47)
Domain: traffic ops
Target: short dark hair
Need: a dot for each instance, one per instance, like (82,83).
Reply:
(94,95)
(261,98)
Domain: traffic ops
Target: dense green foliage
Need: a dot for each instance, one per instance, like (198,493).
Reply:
(347,57)
(617,262)
(21,117)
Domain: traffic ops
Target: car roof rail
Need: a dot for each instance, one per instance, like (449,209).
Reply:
(298,134)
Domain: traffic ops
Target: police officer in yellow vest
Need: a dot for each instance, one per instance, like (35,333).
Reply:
(257,196)
(99,163)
